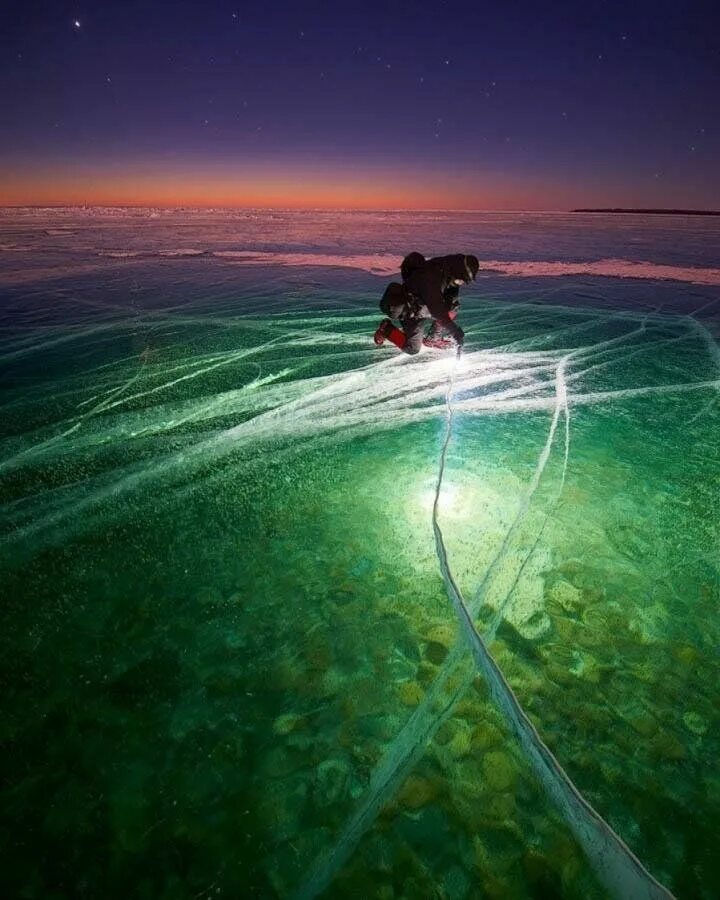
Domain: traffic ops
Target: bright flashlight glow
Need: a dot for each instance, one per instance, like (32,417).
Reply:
(449,498)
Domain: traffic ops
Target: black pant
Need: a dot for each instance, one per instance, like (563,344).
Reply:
(414,333)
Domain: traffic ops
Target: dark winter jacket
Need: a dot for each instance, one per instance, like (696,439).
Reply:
(430,284)
(431,281)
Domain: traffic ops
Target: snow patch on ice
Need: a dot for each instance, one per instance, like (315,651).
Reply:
(607,268)
(134,254)
(377,264)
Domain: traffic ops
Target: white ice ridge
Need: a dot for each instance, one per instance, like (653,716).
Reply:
(379,395)
(714,352)
(616,866)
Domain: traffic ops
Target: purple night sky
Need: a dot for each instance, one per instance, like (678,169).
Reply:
(361,104)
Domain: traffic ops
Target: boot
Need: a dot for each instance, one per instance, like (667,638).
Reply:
(383,331)
(438,343)
(436,337)
(389,331)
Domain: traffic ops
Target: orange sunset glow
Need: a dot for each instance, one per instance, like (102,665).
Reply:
(261,185)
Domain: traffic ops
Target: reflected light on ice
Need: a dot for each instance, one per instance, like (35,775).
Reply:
(449,501)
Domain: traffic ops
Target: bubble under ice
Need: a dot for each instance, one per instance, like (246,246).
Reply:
(205,385)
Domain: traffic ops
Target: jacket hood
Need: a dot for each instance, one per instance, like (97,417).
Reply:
(460,266)
(411,262)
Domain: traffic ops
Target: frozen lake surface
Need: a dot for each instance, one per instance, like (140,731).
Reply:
(237,658)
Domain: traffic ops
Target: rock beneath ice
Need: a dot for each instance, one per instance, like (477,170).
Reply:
(461,743)
(501,807)
(694,722)
(435,652)
(649,624)
(533,628)
(410,693)
(441,634)
(286,723)
(486,735)
(499,771)
(416,792)
(565,595)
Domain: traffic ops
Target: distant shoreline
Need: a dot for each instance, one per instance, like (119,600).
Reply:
(135,208)
(653,212)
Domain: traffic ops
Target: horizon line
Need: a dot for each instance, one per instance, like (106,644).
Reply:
(354,209)
(272,208)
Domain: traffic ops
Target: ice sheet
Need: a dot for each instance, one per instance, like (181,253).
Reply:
(227,640)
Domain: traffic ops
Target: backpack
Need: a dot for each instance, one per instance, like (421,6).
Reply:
(395,302)
(412,262)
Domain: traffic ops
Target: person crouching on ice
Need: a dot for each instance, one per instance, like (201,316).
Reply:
(429,290)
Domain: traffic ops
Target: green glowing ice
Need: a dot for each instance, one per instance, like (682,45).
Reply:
(226,639)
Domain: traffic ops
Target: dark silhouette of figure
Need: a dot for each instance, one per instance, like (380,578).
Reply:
(429,291)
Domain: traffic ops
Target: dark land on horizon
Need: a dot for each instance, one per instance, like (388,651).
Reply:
(654,212)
